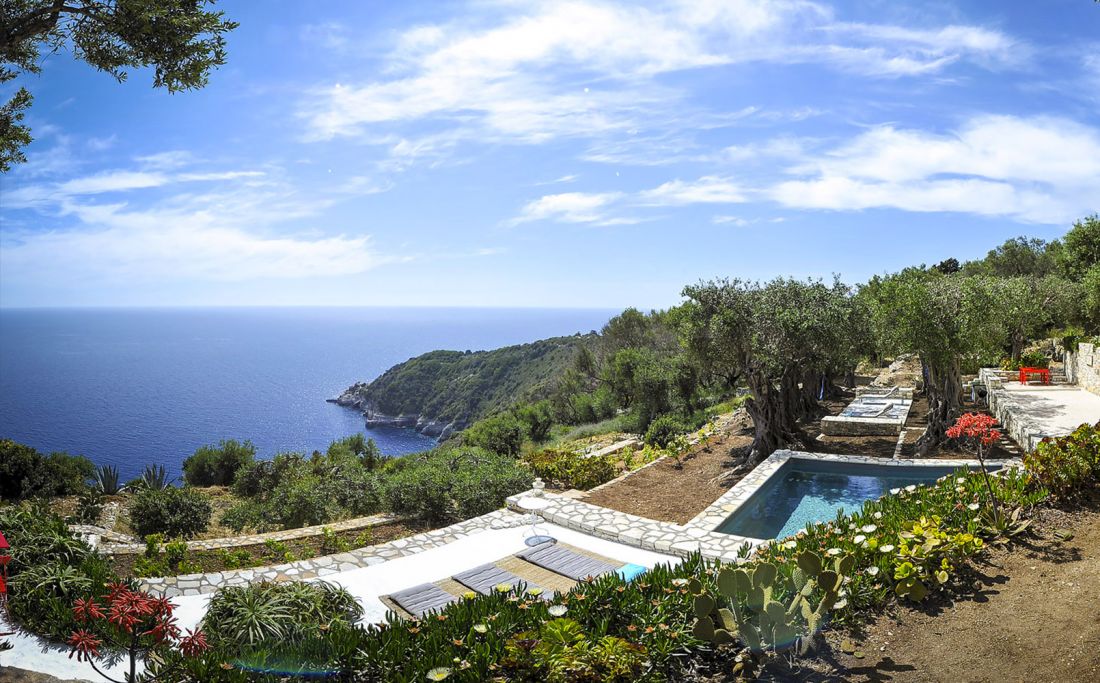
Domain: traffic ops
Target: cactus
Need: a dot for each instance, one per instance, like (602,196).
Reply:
(766,610)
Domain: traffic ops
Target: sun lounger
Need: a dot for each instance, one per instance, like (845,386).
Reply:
(487,577)
(423,598)
(566,562)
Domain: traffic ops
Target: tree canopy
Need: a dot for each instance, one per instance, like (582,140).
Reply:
(180,39)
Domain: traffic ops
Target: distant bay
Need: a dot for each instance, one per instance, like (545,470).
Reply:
(130,387)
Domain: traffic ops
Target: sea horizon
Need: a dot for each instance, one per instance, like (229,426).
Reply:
(131,386)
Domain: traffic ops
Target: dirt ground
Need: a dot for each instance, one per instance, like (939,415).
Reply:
(668,492)
(1034,617)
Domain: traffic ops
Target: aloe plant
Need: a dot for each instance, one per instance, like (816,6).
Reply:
(156,477)
(107,480)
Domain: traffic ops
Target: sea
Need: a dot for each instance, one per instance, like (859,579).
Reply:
(133,387)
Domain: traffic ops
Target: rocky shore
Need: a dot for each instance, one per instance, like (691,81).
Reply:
(354,397)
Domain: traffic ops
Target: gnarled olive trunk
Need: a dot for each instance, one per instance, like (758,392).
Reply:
(774,423)
(943,387)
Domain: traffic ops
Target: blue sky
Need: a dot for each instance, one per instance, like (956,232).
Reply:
(580,153)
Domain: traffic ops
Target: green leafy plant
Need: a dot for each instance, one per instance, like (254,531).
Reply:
(25,473)
(165,559)
(1065,465)
(768,610)
(559,651)
(174,512)
(663,430)
(259,613)
(155,477)
(107,480)
(218,465)
(569,469)
(89,505)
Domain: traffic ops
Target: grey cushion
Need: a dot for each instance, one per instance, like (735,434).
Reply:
(423,598)
(487,577)
(566,562)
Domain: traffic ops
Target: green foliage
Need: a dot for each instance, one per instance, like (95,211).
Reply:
(1066,465)
(88,506)
(454,483)
(107,480)
(568,469)
(174,512)
(559,651)
(1028,359)
(537,419)
(218,465)
(25,473)
(271,613)
(465,386)
(769,609)
(292,491)
(164,559)
(181,41)
(1017,257)
(1081,248)
(502,433)
(663,430)
(155,477)
(50,567)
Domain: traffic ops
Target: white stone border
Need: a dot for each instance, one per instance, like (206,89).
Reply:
(731,501)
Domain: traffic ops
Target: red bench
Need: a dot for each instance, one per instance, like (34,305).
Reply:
(1043,373)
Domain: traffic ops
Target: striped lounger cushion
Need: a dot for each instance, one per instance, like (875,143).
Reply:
(566,562)
(485,578)
(423,598)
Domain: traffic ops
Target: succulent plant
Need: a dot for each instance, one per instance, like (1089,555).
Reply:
(767,610)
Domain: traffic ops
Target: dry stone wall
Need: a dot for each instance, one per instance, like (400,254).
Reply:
(1083,367)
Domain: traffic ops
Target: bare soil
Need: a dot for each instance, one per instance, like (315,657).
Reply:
(675,492)
(1032,617)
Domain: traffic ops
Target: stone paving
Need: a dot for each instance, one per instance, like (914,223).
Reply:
(131,547)
(649,534)
(198,584)
(1031,412)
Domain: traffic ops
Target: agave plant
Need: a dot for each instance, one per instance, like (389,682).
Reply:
(155,477)
(107,480)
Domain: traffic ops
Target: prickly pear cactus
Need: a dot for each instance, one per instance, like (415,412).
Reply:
(766,610)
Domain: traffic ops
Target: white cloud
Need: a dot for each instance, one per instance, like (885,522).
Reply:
(1032,169)
(568,207)
(107,182)
(705,190)
(730,220)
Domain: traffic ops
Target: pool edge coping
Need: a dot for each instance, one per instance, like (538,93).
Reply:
(711,518)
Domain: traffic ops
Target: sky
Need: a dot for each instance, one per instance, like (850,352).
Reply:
(554,154)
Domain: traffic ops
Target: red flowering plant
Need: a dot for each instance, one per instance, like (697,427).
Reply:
(978,432)
(132,622)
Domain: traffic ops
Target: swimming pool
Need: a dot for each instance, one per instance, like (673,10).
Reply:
(803,491)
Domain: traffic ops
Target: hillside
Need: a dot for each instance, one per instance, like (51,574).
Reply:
(442,391)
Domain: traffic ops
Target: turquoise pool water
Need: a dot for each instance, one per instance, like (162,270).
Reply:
(808,491)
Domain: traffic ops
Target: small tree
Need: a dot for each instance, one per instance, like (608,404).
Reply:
(134,622)
(977,431)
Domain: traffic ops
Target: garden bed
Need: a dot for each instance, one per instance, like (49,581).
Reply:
(667,492)
(301,548)
(1025,617)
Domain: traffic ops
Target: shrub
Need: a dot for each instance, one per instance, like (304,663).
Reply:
(217,465)
(538,420)
(164,559)
(88,506)
(501,434)
(174,512)
(107,480)
(571,470)
(451,484)
(26,473)
(272,613)
(663,430)
(1065,465)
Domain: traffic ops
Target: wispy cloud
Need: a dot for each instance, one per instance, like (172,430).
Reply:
(1041,169)
(705,190)
(568,207)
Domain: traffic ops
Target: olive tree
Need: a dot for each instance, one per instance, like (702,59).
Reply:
(942,319)
(782,339)
(180,39)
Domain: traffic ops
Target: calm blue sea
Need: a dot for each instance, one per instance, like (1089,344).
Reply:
(131,387)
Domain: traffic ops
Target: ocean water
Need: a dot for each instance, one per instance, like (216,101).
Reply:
(130,387)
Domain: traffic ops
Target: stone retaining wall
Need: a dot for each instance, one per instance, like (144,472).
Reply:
(1083,367)
(198,584)
(1010,415)
(107,547)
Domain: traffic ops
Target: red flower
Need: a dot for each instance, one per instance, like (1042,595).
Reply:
(86,610)
(975,426)
(85,645)
(194,643)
